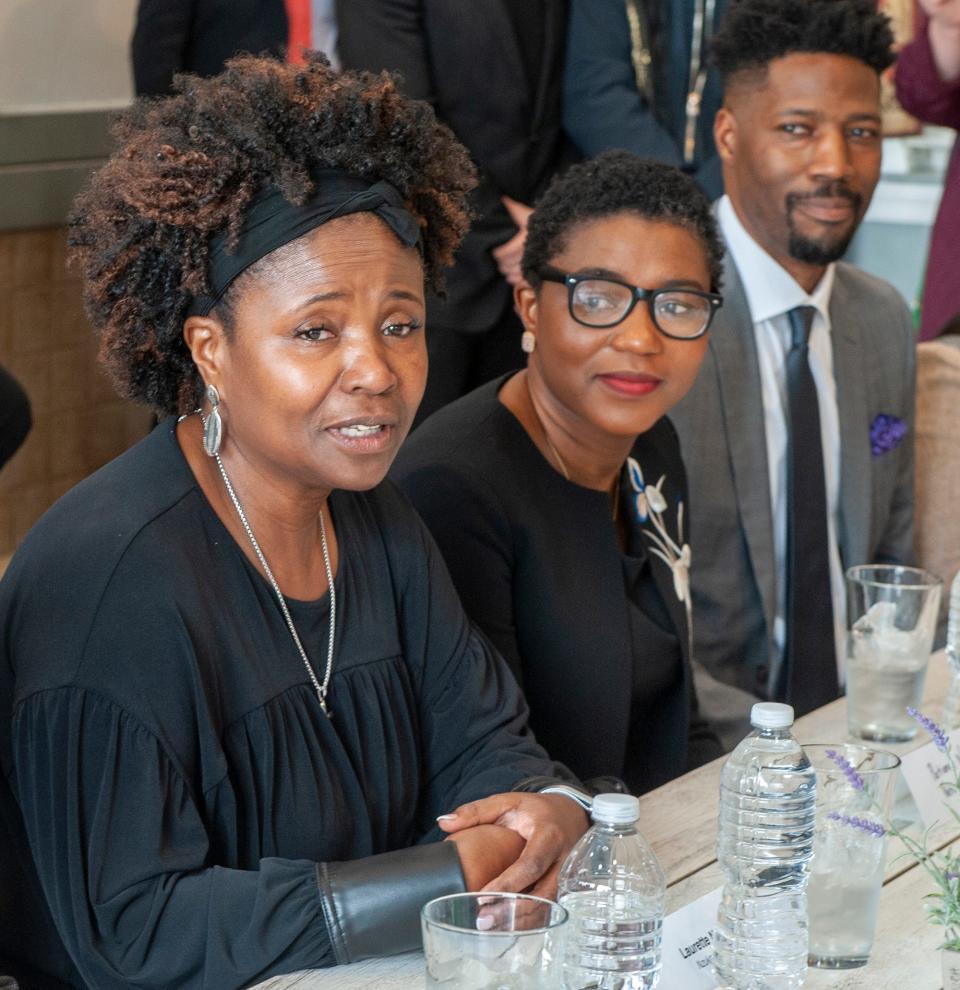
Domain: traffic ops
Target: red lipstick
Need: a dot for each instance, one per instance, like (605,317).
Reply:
(630,383)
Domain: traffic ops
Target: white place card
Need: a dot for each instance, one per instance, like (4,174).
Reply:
(925,770)
(688,944)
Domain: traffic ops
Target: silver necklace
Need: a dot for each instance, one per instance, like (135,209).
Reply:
(321,689)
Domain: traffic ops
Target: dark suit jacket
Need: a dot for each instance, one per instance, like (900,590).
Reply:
(199,36)
(463,56)
(537,566)
(603,108)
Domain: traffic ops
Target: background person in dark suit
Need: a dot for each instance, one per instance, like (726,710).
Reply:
(632,66)
(493,71)
(198,36)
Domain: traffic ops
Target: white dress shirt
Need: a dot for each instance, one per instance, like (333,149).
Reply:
(771,293)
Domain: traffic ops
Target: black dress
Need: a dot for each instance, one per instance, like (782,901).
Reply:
(178,781)
(597,637)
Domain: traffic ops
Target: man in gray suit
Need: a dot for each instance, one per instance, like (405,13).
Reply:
(797,435)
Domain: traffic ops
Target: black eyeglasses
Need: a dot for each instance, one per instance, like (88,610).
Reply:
(683,314)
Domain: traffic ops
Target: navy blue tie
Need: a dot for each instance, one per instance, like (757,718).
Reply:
(809,673)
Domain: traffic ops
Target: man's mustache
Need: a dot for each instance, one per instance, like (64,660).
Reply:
(832,190)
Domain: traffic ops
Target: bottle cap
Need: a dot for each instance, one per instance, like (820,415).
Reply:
(770,715)
(615,809)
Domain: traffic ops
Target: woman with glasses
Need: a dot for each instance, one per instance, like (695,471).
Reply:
(558,494)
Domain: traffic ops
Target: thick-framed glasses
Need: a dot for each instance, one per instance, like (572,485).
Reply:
(683,314)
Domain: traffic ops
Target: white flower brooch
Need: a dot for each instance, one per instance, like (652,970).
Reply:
(650,505)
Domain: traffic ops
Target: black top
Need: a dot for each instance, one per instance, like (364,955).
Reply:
(177,778)
(597,637)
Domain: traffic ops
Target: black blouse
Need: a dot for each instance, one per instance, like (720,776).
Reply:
(597,637)
(178,781)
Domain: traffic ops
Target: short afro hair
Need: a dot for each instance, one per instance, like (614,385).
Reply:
(755,32)
(185,167)
(618,182)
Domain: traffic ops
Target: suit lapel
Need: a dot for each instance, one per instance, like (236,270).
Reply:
(734,350)
(847,333)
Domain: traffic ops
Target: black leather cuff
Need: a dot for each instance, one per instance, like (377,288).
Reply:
(372,905)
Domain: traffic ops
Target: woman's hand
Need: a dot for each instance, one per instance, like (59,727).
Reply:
(485,852)
(550,824)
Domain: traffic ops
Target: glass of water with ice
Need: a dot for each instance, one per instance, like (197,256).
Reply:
(847,869)
(492,942)
(892,618)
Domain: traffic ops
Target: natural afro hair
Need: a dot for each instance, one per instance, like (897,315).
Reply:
(186,167)
(618,182)
(755,32)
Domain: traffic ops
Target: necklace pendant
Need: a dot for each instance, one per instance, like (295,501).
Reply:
(323,705)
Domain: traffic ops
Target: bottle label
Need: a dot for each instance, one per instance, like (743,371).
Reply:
(688,944)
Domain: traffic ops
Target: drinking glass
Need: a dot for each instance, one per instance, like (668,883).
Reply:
(892,619)
(492,941)
(846,874)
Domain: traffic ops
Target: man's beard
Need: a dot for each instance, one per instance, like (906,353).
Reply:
(821,252)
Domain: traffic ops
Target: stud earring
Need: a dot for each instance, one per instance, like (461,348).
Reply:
(528,342)
(213,428)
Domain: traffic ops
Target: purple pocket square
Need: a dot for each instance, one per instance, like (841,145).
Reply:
(886,432)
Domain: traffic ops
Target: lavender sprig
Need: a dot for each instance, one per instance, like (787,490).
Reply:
(939,737)
(864,824)
(856,781)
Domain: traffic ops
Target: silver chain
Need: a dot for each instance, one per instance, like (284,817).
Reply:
(321,689)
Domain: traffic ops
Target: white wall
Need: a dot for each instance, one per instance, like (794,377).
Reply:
(58,55)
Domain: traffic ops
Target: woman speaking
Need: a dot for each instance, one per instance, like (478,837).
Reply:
(243,688)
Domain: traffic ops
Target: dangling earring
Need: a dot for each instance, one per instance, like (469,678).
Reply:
(213,428)
(528,342)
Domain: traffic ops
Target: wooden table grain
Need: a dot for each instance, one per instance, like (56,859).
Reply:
(680,822)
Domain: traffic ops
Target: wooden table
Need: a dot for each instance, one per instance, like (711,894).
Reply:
(680,822)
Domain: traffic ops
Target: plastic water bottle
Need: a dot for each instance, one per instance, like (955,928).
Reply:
(767,808)
(614,890)
(951,706)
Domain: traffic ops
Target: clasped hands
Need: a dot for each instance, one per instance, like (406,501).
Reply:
(516,841)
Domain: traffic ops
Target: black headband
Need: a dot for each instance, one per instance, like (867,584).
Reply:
(271,221)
